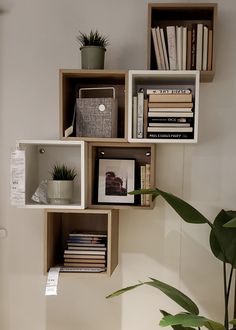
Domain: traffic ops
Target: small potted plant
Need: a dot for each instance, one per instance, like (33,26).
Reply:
(93,47)
(60,187)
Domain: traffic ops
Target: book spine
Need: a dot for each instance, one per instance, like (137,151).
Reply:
(170,129)
(142,182)
(167,135)
(199,46)
(169,114)
(170,120)
(145,117)
(170,109)
(140,102)
(210,50)
(179,46)
(170,97)
(193,46)
(159,42)
(171,42)
(147,184)
(189,48)
(164,49)
(184,48)
(168,91)
(205,48)
(157,52)
(135,116)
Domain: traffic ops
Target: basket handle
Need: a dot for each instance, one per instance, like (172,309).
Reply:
(98,88)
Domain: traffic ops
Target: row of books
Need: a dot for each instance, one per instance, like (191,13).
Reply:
(183,48)
(145,183)
(163,113)
(86,251)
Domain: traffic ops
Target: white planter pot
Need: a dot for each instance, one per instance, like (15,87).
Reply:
(59,192)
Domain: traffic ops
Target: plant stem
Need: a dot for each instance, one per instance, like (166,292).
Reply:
(226,321)
(227,293)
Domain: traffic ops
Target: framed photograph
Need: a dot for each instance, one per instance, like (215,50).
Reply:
(116,178)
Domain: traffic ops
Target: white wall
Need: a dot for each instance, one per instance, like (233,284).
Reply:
(37,37)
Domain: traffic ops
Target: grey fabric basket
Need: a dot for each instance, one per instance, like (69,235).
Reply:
(97,116)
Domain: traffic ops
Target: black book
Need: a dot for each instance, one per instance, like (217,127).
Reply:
(170,135)
(170,120)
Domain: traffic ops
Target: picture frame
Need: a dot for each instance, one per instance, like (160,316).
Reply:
(116,178)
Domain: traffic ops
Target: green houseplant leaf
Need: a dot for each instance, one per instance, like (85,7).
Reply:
(223,239)
(187,212)
(177,296)
(177,326)
(190,320)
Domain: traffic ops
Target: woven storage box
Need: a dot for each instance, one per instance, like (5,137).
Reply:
(96,117)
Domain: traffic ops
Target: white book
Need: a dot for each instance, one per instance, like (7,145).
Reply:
(150,91)
(157,52)
(205,48)
(142,182)
(135,116)
(179,46)
(160,47)
(170,129)
(148,184)
(153,109)
(164,49)
(140,103)
(169,124)
(199,46)
(170,114)
(171,42)
(184,49)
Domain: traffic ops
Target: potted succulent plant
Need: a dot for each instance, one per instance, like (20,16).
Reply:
(60,187)
(223,246)
(93,47)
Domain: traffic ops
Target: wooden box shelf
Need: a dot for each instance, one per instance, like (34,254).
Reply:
(70,83)
(156,79)
(181,14)
(41,155)
(141,153)
(59,223)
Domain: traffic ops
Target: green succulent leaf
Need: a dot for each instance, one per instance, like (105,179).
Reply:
(177,296)
(233,322)
(223,239)
(121,291)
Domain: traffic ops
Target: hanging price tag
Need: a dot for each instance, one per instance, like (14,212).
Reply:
(17,183)
(52,281)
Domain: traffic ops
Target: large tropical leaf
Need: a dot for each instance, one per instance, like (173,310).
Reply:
(190,320)
(177,296)
(175,327)
(152,192)
(223,239)
(121,291)
(187,212)
(231,223)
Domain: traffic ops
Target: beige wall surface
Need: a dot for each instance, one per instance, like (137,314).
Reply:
(37,37)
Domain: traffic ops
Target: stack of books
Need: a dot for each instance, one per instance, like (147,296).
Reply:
(183,47)
(170,114)
(86,251)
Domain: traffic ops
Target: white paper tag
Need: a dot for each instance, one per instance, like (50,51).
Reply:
(52,281)
(17,183)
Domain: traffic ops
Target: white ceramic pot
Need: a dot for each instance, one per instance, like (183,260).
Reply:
(59,192)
